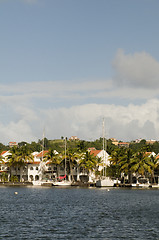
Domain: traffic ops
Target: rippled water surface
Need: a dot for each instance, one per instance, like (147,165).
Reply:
(78,213)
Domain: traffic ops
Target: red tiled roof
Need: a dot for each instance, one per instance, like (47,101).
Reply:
(48,163)
(95,152)
(123,143)
(36,162)
(41,154)
(147,153)
(3,152)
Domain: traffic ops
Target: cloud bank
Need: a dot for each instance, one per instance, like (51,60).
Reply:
(66,108)
(85,121)
(139,70)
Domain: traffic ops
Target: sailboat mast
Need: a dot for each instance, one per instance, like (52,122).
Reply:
(43,146)
(65,157)
(104,150)
(105,156)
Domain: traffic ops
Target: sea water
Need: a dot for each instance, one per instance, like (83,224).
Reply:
(78,213)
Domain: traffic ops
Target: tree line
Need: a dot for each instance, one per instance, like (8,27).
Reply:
(125,162)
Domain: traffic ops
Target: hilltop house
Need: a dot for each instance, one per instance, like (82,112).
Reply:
(74,138)
(123,144)
(12,144)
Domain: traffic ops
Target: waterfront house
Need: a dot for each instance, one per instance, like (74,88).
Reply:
(4,169)
(103,155)
(37,169)
(104,158)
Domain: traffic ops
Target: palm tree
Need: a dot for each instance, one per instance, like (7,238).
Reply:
(115,159)
(4,177)
(154,164)
(18,158)
(88,162)
(125,163)
(54,159)
(73,158)
(24,157)
(13,160)
(140,164)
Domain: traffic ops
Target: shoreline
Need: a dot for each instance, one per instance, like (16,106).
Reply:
(78,184)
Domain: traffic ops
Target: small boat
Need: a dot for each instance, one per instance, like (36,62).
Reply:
(36,183)
(42,183)
(142,183)
(106,182)
(62,183)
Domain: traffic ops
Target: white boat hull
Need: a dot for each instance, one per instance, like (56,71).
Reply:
(36,183)
(142,185)
(42,183)
(107,182)
(62,183)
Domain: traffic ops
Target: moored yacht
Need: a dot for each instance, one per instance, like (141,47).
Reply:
(62,181)
(104,181)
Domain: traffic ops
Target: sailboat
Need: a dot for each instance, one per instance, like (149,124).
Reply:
(41,181)
(61,181)
(104,181)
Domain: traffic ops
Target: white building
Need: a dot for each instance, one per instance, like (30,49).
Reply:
(38,169)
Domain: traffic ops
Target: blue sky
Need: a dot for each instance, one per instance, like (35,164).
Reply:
(66,64)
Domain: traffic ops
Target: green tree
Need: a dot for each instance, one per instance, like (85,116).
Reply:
(54,159)
(141,164)
(115,159)
(88,162)
(4,177)
(71,157)
(24,157)
(13,160)
(18,158)
(154,164)
(125,163)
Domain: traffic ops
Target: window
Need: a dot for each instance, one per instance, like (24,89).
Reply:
(31,168)
(31,177)
(37,168)
(36,178)
(49,168)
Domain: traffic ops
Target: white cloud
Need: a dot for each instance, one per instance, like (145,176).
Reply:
(26,108)
(92,89)
(85,121)
(53,90)
(137,70)
(16,131)
(126,123)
